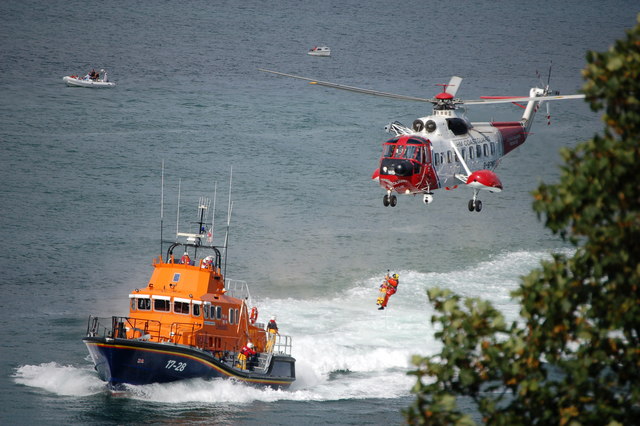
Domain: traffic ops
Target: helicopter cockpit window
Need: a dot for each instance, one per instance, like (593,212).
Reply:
(410,151)
(419,155)
(400,151)
(388,150)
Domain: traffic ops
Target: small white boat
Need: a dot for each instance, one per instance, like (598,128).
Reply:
(319,51)
(98,81)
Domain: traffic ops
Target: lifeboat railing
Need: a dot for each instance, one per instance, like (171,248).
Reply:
(124,328)
(282,345)
(183,332)
(238,289)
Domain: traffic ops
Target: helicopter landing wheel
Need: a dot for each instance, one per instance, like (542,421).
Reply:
(385,200)
(475,205)
(393,200)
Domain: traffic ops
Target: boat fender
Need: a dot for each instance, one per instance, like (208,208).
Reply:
(254,315)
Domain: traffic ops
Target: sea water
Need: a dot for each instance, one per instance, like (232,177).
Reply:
(81,185)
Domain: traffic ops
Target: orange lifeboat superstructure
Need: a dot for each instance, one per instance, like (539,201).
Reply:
(188,322)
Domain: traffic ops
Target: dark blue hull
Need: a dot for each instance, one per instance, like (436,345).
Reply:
(125,361)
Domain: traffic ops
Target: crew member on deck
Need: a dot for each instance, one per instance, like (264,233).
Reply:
(272,329)
(387,289)
(246,352)
(185,259)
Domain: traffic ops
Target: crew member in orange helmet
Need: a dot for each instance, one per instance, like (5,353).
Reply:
(387,289)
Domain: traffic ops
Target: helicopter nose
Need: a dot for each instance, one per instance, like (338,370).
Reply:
(397,167)
(403,168)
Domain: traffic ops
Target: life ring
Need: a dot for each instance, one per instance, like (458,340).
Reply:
(254,315)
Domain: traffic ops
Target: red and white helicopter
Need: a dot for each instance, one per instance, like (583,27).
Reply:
(445,149)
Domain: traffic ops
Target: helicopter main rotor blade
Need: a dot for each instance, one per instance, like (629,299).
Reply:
(508,99)
(454,85)
(350,88)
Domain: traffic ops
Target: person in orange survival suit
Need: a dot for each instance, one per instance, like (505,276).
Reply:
(245,353)
(387,289)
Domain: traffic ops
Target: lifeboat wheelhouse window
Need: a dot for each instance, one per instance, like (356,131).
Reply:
(493,148)
(485,148)
(449,157)
(206,308)
(472,153)
(161,304)
(196,308)
(479,151)
(181,306)
(140,302)
(231,316)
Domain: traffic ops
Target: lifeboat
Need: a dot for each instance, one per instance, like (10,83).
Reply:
(100,80)
(189,322)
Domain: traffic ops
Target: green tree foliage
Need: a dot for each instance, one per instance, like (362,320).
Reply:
(574,357)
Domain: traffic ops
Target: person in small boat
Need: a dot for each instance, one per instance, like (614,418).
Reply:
(185,259)
(272,329)
(387,289)
(246,353)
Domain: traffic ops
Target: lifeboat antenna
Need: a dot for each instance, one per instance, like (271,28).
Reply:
(226,237)
(213,214)
(161,205)
(178,213)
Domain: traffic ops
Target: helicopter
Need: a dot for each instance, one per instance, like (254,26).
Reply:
(445,149)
